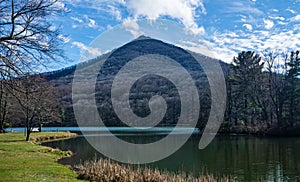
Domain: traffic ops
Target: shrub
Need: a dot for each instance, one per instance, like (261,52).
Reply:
(7,125)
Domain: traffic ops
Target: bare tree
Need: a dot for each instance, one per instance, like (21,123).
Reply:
(27,40)
(36,100)
(276,65)
(4,102)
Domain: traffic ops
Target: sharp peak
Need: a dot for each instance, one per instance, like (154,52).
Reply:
(142,37)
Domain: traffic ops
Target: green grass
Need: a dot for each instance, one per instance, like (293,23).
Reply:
(28,161)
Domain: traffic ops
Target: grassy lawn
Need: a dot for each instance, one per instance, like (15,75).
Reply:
(26,161)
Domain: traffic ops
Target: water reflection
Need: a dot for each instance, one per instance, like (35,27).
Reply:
(248,158)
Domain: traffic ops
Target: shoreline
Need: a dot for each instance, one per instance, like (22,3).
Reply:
(15,168)
(45,137)
(232,130)
(262,132)
(29,161)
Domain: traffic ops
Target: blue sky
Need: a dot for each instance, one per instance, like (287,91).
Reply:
(219,28)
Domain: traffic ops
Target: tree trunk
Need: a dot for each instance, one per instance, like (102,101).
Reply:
(28,131)
(3,117)
(1,128)
(28,126)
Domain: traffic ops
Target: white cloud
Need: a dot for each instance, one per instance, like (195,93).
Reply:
(282,23)
(243,18)
(248,19)
(64,39)
(182,10)
(185,11)
(200,47)
(195,29)
(132,26)
(255,35)
(77,19)
(295,18)
(115,12)
(248,26)
(109,27)
(87,52)
(291,11)
(60,5)
(277,18)
(84,3)
(268,24)
(241,7)
(227,44)
(84,21)
(92,23)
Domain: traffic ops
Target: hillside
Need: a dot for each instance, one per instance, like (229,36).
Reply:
(143,89)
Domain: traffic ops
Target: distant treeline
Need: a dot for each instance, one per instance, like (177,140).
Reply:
(263,92)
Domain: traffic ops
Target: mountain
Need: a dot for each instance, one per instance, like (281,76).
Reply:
(143,89)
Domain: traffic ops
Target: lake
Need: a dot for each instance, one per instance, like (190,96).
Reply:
(246,157)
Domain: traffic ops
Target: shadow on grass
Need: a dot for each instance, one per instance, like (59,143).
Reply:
(7,141)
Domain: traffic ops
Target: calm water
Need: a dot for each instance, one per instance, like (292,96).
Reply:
(247,158)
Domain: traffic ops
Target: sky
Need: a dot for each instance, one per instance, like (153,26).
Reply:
(217,28)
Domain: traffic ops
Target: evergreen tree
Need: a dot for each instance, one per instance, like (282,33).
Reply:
(247,68)
(293,87)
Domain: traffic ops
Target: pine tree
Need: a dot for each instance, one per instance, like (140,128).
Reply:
(247,68)
(293,87)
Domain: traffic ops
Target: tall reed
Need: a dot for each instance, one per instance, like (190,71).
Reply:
(104,170)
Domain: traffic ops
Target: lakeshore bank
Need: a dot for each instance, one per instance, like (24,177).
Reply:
(28,161)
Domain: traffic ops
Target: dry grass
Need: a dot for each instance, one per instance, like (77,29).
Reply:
(50,136)
(107,171)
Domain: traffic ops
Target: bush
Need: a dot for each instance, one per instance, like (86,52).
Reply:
(7,125)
